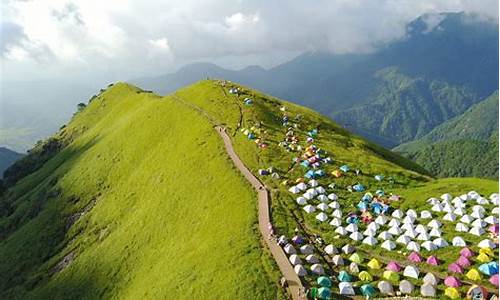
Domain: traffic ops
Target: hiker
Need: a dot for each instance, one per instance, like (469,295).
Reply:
(283,282)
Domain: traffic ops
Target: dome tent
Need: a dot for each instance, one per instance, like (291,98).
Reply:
(307,249)
(466,252)
(430,279)
(324,293)
(331,250)
(344,277)
(428,290)
(411,271)
(388,245)
(406,287)
(345,288)
(368,290)
(348,249)
(312,259)
(391,276)
(300,270)
(355,257)
(289,249)
(489,269)
(295,260)
(393,266)
(353,268)
(452,293)
(365,276)
(385,288)
(452,281)
(473,274)
(458,242)
(324,281)
(338,260)
(317,269)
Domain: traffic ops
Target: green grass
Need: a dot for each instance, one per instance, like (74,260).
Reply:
(172,217)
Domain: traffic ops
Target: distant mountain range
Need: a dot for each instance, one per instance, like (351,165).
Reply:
(7,158)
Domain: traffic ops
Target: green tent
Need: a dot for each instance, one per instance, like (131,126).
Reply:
(356,258)
(314,293)
(324,293)
(324,281)
(368,290)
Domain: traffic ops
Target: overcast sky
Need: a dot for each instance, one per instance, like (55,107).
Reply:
(123,39)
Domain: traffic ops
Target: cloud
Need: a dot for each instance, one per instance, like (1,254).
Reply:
(147,37)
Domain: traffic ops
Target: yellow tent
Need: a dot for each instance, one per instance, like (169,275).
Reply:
(486,251)
(337,173)
(356,258)
(365,276)
(374,264)
(483,258)
(452,292)
(473,274)
(391,276)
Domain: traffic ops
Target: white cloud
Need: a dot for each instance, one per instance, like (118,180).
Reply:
(161,43)
(237,20)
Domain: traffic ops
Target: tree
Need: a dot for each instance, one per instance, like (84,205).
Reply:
(81,106)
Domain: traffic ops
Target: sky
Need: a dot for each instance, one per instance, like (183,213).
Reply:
(123,39)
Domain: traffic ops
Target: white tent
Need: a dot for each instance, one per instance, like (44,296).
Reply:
(395,230)
(477,231)
(425,214)
(341,230)
(430,279)
(312,259)
(479,223)
(353,268)
(406,287)
(345,288)
(460,211)
(322,207)
(370,240)
(331,250)
(394,222)
(424,236)
(448,208)
(440,242)
(486,243)
(323,198)
(348,249)
(336,222)
(322,217)
(412,213)
(433,201)
(356,236)
(473,194)
(479,208)
(384,235)
(385,288)
(289,249)
(461,227)
(412,246)
(320,190)
(317,269)
(338,260)
(312,191)
(294,190)
(408,227)
(409,220)
(437,208)
(373,226)
(333,197)
(491,220)
(352,227)
(302,186)
(313,183)
(477,214)
(458,242)
(334,205)
(307,249)
(464,197)
(435,232)
(428,290)
(434,224)
(308,196)
(300,270)
(420,228)
(370,232)
(388,245)
(309,209)
(451,217)
(446,197)
(411,271)
(295,259)
(429,246)
(410,233)
(381,220)
(398,214)
(495,210)
(337,213)
(282,240)
(482,201)
(301,201)
(403,239)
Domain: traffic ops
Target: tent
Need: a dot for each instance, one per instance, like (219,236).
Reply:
(348,249)
(374,264)
(398,214)
(307,249)
(312,259)
(335,222)
(394,223)
(473,274)
(298,240)
(413,246)
(403,239)
(384,235)
(409,219)
(385,288)
(489,269)
(433,260)
(358,187)
(370,240)
(425,214)
(461,227)
(421,228)
(333,197)
(450,217)
(381,220)
(393,266)
(370,232)
(477,231)
(455,268)
(388,245)
(466,252)
(356,236)
(415,257)
(424,236)
(302,186)
(317,269)
(337,213)
(395,230)
(440,242)
(494,280)
(411,233)
(324,281)
(289,249)
(430,279)
(452,281)
(368,290)
(486,250)
(300,270)
(460,211)
(463,262)
(477,293)
(429,246)
(458,242)
(344,277)
(428,290)
(434,224)
(322,217)
(294,190)
(466,219)
(324,293)
(338,260)
(309,209)
(411,271)
(355,257)
(354,268)
(301,201)
(345,288)
(479,223)
(452,293)
(323,199)
(433,201)
(341,230)
(491,220)
(484,258)
(437,208)
(494,229)
(295,260)
(365,276)
(282,240)
(487,244)
(391,276)
(406,287)
(331,250)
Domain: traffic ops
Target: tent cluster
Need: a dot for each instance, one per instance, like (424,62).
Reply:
(255,134)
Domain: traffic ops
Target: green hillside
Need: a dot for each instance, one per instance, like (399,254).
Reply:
(465,146)
(136,198)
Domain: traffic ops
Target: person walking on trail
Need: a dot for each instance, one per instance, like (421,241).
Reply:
(283,282)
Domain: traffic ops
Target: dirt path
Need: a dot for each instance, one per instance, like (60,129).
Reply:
(294,284)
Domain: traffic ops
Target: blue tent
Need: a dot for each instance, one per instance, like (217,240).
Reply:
(379,177)
(344,168)
(368,290)
(324,293)
(489,269)
(324,281)
(367,197)
(248,102)
(319,173)
(251,136)
(305,164)
(344,276)
(362,206)
(379,208)
(380,192)
(310,174)
(352,220)
(359,187)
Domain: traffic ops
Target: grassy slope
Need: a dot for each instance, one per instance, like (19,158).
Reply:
(344,148)
(170,211)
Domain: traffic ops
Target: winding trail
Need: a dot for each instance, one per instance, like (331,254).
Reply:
(294,283)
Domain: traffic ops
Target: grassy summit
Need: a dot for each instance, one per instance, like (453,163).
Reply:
(136,197)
